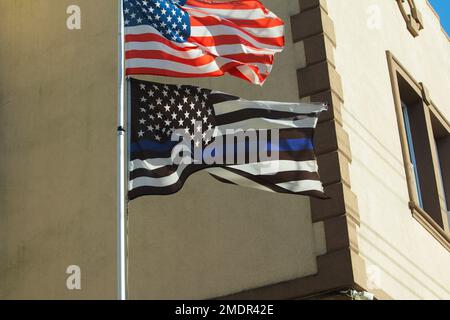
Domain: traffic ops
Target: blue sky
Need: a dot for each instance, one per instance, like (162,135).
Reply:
(443,9)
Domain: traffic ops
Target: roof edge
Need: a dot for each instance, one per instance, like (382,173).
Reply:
(439,19)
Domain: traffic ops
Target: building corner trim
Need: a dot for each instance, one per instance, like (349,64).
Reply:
(341,267)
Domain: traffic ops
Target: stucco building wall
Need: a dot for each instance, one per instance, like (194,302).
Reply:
(57,136)
(401,256)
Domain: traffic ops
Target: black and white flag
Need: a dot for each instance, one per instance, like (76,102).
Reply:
(177,130)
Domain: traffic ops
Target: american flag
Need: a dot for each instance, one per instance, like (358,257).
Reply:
(206,120)
(200,38)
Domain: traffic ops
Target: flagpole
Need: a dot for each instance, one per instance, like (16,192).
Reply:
(121,181)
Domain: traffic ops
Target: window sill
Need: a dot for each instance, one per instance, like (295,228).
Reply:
(430,225)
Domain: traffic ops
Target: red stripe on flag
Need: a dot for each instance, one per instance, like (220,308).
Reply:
(205,59)
(230,68)
(149,37)
(235,39)
(257,23)
(229,5)
(155,54)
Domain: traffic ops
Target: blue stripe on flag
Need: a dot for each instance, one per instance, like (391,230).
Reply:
(284,145)
(147,145)
(294,145)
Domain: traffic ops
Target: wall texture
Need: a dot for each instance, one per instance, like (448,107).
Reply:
(57,136)
(58,175)
(401,257)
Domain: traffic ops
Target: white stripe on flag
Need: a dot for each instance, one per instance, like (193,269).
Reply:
(213,66)
(274,167)
(302,185)
(271,32)
(222,50)
(159,46)
(237,179)
(214,31)
(264,123)
(237,105)
(157,182)
(147,29)
(258,168)
(250,14)
(150,164)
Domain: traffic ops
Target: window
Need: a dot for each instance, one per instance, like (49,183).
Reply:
(441,135)
(412,153)
(420,147)
(425,140)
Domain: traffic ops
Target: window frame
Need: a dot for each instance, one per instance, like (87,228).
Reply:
(443,132)
(412,152)
(398,72)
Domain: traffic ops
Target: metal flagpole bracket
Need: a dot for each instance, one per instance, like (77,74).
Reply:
(121,129)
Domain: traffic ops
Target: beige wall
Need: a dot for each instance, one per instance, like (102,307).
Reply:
(57,142)
(57,167)
(401,257)
(58,176)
